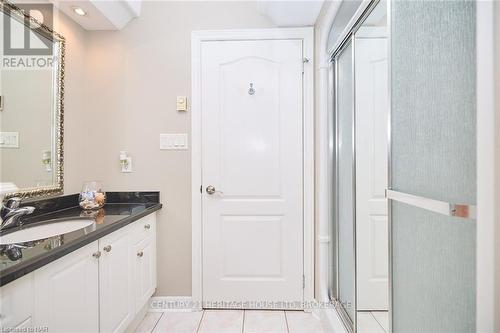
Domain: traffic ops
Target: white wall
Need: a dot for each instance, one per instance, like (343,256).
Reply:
(131,80)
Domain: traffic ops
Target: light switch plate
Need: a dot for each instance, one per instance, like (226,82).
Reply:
(173,141)
(181,103)
(9,139)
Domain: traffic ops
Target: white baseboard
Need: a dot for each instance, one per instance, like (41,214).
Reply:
(172,304)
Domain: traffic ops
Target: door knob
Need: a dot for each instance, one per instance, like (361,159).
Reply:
(140,254)
(97,254)
(211,190)
(107,248)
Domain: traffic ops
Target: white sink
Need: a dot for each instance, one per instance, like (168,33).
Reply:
(42,231)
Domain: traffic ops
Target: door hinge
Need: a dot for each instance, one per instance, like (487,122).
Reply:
(201,188)
(304,62)
(303,282)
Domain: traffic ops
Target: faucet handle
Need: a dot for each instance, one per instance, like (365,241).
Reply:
(8,206)
(12,203)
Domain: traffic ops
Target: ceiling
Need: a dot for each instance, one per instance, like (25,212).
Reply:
(115,14)
(291,13)
(101,15)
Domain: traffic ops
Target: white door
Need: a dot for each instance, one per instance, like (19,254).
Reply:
(252,155)
(371,173)
(67,293)
(116,296)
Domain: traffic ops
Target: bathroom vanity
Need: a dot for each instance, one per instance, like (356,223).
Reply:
(95,279)
(62,268)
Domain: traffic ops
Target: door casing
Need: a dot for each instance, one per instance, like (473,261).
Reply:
(307,37)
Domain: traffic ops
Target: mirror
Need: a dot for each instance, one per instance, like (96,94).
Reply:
(31,101)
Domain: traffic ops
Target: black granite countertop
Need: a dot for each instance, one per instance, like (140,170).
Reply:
(121,209)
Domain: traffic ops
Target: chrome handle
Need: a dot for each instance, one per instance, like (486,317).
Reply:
(97,254)
(140,254)
(211,190)
(12,202)
(436,206)
(107,248)
(147,226)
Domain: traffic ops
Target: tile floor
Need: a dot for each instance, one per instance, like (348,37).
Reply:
(373,322)
(231,321)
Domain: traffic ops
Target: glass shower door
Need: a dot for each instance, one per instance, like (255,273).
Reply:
(433,165)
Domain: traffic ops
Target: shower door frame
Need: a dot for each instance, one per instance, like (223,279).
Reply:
(349,323)
(487,174)
(348,36)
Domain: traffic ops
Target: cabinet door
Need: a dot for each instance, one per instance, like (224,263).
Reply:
(116,298)
(16,304)
(145,270)
(66,292)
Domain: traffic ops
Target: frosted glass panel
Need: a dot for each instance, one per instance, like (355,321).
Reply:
(433,155)
(433,99)
(434,271)
(345,179)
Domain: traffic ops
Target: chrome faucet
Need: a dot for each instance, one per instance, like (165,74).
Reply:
(11,213)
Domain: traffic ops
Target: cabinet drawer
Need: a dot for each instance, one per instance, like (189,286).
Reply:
(144,228)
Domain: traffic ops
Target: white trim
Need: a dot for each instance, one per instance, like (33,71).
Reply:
(197,37)
(485,223)
(322,180)
(196,200)
(172,304)
(309,138)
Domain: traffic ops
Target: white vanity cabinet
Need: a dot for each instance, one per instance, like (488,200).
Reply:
(98,288)
(144,249)
(16,310)
(67,292)
(116,296)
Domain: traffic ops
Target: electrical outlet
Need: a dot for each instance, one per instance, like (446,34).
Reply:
(127,166)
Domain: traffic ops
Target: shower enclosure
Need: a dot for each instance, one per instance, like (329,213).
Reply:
(431,164)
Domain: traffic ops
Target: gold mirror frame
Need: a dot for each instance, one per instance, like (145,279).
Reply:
(58,128)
